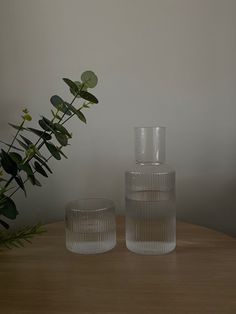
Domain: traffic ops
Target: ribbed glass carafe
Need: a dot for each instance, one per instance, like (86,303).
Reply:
(150,196)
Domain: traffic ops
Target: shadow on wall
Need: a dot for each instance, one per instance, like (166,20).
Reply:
(208,202)
(11,114)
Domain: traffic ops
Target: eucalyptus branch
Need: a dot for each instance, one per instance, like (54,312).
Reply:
(39,147)
(14,163)
(63,115)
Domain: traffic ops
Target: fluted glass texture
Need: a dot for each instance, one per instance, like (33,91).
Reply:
(90,226)
(150,207)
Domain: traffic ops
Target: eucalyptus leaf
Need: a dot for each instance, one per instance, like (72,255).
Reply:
(20,182)
(17,127)
(8,163)
(61,129)
(40,133)
(44,125)
(81,86)
(16,157)
(40,169)
(49,123)
(62,138)
(58,103)
(26,168)
(22,144)
(8,208)
(53,150)
(89,78)
(72,85)
(28,142)
(81,116)
(71,108)
(88,96)
(42,163)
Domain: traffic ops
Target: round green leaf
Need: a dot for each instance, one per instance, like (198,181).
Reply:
(89,78)
(58,103)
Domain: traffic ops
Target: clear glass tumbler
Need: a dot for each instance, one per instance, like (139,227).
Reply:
(90,226)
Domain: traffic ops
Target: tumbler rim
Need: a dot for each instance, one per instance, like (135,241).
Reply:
(150,127)
(108,204)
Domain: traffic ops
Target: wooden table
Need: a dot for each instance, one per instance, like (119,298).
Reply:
(199,277)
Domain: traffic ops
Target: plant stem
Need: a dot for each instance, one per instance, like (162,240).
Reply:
(9,181)
(14,138)
(68,118)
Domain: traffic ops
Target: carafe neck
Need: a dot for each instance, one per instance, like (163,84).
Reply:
(150,145)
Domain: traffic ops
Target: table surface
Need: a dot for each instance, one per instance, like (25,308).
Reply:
(198,277)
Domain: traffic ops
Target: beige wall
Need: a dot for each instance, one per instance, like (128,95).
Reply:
(167,62)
